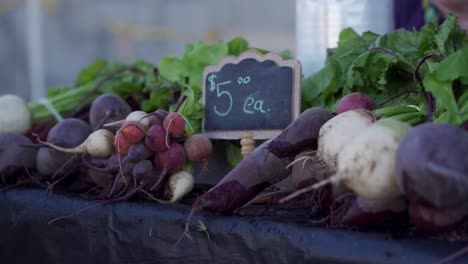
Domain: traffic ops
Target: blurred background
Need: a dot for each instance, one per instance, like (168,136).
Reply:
(44,43)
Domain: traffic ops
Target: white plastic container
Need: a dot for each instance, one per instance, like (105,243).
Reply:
(319,22)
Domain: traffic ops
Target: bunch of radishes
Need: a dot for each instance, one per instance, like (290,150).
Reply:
(118,154)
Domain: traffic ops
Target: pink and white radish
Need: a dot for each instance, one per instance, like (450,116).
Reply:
(140,117)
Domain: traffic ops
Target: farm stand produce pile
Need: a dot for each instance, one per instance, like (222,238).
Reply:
(381,137)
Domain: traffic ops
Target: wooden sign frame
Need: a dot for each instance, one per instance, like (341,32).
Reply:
(261,134)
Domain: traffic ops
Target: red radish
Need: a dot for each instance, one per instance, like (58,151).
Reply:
(157,117)
(355,100)
(132,132)
(122,145)
(198,147)
(174,124)
(155,138)
(170,161)
(129,134)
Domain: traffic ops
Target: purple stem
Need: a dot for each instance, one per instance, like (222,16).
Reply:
(180,103)
(398,95)
(389,52)
(429,96)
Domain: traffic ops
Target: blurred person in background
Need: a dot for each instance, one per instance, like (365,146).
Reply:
(411,14)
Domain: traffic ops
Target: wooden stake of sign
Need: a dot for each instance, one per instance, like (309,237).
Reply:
(247,143)
(250,97)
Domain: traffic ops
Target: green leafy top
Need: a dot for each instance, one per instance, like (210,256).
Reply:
(398,63)
(187,72)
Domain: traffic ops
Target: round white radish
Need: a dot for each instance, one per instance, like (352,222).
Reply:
(99,144)
(339,131)
(141,117)
(180,184)
(366,165)
(15,116)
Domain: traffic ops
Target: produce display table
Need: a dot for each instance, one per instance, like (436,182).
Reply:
(146,232)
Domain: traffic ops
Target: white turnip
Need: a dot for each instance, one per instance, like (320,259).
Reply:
(99,144)
(15,116)
(366,165)
(339,131)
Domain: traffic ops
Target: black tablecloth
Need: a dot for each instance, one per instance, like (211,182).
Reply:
(146,232)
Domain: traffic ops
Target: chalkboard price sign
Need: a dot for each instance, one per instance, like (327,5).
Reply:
(253,92)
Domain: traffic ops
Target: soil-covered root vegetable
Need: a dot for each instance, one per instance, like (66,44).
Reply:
(15,155)
(98,144)
(68,133)
(432,165)
(359,211)
(432,220)
(356,100)
(174,124)
(366,165)
(339,131)
(179,185)
(155,138)
(198,147)
(301,134)
(169,161)
(15,116)
(108,108)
